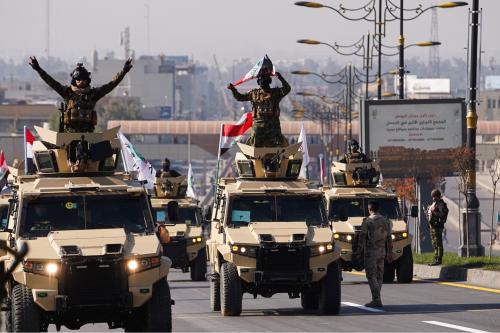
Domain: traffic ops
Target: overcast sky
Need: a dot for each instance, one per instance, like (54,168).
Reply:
(228,28)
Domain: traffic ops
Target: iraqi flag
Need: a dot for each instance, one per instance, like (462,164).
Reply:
(264,67)
(29,139)
(4,168)
(230,134)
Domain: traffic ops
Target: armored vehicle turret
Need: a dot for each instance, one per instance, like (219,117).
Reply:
(93,254)
(354,185)
(186,246)
(270,234)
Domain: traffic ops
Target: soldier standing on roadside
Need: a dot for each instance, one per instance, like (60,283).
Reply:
(375,238)
(266,112)
(78,113)
(437,213)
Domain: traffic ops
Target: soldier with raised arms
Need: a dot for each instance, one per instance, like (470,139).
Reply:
(265,105)
(78,113)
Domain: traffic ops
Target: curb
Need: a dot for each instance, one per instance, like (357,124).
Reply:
(479,277)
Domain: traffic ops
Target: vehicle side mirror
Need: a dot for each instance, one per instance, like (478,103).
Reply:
(343,214)
(414,211)
(173,212)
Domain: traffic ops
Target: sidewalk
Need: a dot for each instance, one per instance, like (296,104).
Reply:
(479,277)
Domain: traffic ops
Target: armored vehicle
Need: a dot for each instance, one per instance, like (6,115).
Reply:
(355,184)
(270,234)
(93,254)
(186,247)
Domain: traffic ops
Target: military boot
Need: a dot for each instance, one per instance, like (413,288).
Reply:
(376,303)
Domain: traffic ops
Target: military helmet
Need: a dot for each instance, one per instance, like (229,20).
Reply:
(80,73)
(435,193)
(166,164)
(353,143)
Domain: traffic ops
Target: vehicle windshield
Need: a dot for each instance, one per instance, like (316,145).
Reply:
(3,215)
(187,215)
(358,207)
(43,215)
(276,208)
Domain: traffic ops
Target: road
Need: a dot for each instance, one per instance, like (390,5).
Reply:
(422,306)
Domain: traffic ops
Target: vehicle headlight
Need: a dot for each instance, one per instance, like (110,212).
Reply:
(197,239)
(141,264)
(244,250)
(43,268)
(399,236)
(343,237)
(320,249)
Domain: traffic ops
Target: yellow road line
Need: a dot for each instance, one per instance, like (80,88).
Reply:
(466,286)
(451,284)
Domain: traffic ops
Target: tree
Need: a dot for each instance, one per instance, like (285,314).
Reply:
(461,164)
(117,108)
(495,177)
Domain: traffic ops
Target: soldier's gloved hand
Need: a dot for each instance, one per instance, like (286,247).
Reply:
(230,86)
(128,65)
(278,75)
(34,64)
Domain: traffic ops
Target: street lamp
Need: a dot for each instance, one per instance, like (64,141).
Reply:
(375,7)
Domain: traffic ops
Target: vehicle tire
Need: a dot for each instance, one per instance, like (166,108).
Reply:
(25,315)
(215,293)
(330,294)
(404,268)
(199,266)
(230,291)
(309,300)
(158,316)
(389,272)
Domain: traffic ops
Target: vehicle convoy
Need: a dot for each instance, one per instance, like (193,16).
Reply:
(186,247)
(93,254)
(355,184)
(270,234)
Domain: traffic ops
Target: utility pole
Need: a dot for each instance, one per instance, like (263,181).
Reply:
(472,223)
(379,73)
(147,29)
(401,52)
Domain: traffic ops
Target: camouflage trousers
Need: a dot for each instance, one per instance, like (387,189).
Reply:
(267,133)
(437,241)
(374,269)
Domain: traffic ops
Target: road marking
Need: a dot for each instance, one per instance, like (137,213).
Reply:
(457,327)
(466,286)
(362,307)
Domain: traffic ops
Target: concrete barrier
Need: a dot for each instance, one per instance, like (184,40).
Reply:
(479,277)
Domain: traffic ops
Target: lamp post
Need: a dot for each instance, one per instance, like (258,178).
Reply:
(380,19)
(472,245)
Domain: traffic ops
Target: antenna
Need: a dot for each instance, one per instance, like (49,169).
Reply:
(125,41)
(434,50)
(147,29)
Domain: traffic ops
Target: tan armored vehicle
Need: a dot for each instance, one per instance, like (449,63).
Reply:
(270,234)
(94,256)
(186,247)
(355,184)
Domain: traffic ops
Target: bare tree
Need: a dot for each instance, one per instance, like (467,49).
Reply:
(461,164)
(495,177)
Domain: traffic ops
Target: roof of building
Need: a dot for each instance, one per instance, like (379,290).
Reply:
(34,111)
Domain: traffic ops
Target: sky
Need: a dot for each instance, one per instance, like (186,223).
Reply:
(230,29)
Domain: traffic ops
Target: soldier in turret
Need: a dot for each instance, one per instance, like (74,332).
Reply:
(355,155)
(165,171)
(266,112)
(78,114)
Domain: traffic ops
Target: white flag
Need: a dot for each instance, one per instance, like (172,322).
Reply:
(190,179)
(305,152)
(134,161)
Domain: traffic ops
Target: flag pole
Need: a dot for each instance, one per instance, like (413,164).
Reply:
(25,152)
(218,161)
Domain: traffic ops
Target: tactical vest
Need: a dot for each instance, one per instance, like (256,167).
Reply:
(265,105)
(80,110)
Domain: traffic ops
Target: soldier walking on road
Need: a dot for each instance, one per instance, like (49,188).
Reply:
(266,112)
(375,238)
(78,114)
(437,213)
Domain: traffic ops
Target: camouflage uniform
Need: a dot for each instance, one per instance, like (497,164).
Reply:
(437,214)
(79,114)
(375,236)
(266,112)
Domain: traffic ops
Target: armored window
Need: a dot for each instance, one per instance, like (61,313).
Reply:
(46,161)
(245,169)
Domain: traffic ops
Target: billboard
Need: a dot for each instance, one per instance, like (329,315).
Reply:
(413,137)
